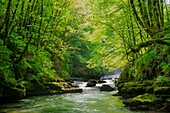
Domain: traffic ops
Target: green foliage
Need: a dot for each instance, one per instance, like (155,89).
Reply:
(43,40)
(151,65)
(78,38)
(40,64)
(5,61)
(162,80)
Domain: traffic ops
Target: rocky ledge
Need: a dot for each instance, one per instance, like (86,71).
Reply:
(25,89)
(145,95)
(49,88)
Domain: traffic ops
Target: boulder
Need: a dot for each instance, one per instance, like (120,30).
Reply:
(133,89)
(143,102)
(101,81)
(73,85)
(49,88)
(33,89)
(46,88)
(15,92)
(106,88)
(91,83)
(54,85)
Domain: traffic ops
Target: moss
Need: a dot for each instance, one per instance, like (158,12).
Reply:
(139,83)
(54,85)
(132,89)
(125,76)
(163,80)
(149,89)
(162,90)
(34,86)
(146,98)
(143,102)
(50,88)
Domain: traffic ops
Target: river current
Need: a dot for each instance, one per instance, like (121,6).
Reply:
(91,100)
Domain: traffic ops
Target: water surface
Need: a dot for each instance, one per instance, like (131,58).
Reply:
(90,101)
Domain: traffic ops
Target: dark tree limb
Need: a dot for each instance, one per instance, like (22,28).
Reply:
(162,41)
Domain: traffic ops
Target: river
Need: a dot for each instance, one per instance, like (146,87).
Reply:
(90,101)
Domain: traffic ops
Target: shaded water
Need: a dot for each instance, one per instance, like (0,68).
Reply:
(90,101)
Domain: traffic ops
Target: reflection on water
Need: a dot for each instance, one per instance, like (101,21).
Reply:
(90,101)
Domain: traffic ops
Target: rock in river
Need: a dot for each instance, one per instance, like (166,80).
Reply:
(91,83)
(106,88)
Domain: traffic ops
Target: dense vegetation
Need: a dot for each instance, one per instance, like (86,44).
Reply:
(44,39)
(41,40)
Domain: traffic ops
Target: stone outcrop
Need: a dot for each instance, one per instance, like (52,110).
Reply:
(8,94)
(143,102)
(106,88)
(91,83)
(51,88)
(73,85)
(145,95)
(132,89)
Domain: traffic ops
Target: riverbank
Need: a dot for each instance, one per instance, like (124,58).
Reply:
(34,88)
(144,95)
(91,100)
(145,82)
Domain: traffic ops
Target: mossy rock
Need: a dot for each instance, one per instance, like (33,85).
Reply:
(120,86)
(13,92)
(150,89)
(131,89)
(91,83)
(53,85)
(47,88)
(124,76)
(143,102)
(162,90)
(73,85)
(107,88)
(34,86)
(146,98)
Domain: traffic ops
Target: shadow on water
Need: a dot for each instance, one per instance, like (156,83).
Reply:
(90,101)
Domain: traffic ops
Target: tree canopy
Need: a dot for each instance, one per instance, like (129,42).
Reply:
(77,38)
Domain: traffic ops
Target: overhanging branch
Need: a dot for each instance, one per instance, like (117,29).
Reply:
(162,41)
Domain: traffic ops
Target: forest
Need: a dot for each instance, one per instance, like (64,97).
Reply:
(43,41)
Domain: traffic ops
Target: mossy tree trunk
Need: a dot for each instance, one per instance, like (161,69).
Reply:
(150,15)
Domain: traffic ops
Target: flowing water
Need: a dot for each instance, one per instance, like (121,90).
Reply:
(90,101)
